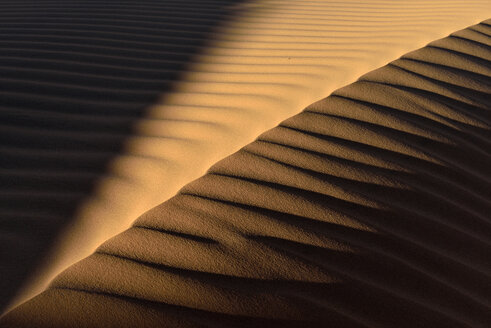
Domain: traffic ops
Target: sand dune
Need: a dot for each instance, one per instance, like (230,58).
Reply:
(109,108)
(368,209)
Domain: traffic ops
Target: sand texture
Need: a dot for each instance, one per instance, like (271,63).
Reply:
(108,108)
(371,208)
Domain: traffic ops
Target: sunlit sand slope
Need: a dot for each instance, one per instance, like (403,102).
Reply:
(371,208)
(107,108)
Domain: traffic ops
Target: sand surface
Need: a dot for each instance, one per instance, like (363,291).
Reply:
(109,107)
(371,208)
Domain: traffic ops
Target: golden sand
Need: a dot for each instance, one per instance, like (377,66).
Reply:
(368,209)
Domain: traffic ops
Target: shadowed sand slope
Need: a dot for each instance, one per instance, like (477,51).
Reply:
(108,108)
(75,78)
(371,208)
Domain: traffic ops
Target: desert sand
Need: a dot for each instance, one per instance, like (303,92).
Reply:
(108,108)
(371,208)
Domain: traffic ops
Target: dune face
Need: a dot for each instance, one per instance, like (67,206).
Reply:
(368,209)
(108,108)
(75,78)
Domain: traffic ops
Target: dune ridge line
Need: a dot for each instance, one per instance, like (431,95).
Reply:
(108,108)
(368,209)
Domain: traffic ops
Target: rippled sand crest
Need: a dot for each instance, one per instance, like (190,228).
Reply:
(368,209)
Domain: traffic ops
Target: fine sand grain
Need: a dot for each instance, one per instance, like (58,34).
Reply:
(371,208)
(107,108)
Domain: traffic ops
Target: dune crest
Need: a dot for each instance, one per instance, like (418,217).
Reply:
(109,108)
(368,209)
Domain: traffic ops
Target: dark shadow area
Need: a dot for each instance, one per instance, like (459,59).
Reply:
(74,77)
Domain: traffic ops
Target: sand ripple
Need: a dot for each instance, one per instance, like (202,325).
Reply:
(368,209)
